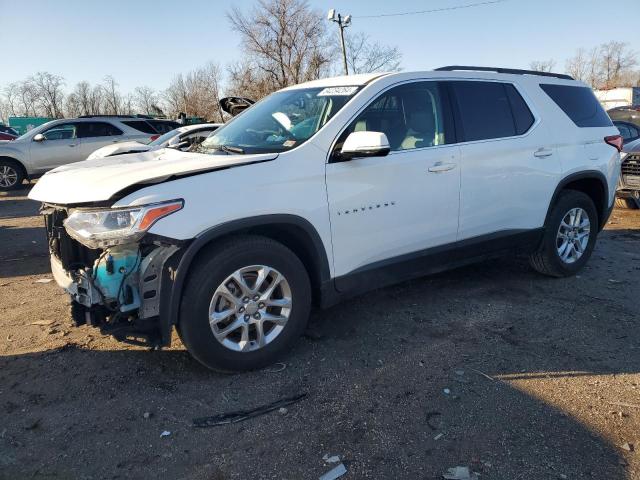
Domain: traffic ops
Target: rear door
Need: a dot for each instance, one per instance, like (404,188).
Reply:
(95,135)
(60,146)
(508,163)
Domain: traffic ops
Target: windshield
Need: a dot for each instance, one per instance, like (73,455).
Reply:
(165,138)
(280,122)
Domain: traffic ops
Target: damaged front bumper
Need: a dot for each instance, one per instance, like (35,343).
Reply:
(117,289)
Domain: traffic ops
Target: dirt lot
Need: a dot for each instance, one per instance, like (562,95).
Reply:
(494,367)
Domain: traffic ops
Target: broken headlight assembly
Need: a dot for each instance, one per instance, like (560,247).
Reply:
(107,227)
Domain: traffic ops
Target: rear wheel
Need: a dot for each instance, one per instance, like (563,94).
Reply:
(570,236)
(626,203)
(245,304)
(11,175)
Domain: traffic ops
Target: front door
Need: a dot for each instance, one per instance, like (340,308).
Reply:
(60,146)
(382,208)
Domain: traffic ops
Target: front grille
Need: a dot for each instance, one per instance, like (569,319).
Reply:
(631,171)
(71,253)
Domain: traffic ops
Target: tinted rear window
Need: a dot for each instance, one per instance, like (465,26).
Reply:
(522,116)
(97,129)
(579,103)
(484,110)
(141,126)
(164,127)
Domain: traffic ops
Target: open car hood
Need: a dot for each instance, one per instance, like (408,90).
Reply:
(235,105)
(100,179)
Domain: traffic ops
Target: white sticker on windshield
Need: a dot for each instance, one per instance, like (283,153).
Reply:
(329,91)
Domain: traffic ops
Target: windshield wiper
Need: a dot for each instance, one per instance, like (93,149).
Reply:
(228,149)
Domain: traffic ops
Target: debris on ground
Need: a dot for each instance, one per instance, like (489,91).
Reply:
(627,446)
(44,280)
(460,473)
(331,459)
(42,323)
(283,411)
(438,436)
(429,416)
(241,415)
(334,473)
(446,391)
(276,368)
(146,415)
(165,433)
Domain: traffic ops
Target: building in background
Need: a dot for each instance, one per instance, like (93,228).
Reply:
(618,97)
(23,124)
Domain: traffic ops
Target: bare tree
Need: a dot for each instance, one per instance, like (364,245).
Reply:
(543,65)
(196,93)
(285,40)
(48,91)
(145,99)
(578,65)
(365,56)
(111,96)
(616,61)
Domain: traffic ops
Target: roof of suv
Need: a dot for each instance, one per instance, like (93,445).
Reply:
(455,71)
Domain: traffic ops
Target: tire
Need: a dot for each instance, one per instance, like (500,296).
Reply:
(11,175)
(626,203)
(547,258)
(214,268)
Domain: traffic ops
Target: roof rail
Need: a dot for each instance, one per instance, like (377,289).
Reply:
(107,116)
(504,70)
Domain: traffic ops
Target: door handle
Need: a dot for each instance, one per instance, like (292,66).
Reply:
(440,167)
(542,152)
(72,144)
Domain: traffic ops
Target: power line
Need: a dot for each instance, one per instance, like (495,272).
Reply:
(444,9)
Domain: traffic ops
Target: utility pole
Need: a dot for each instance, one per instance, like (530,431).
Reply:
(342,24)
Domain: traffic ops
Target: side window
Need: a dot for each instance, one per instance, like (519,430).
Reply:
(61,131)
(141,126)
(579,104)
(485,110)
(196,138)
(410,115)
(163,127)
(97,129)
(522,116)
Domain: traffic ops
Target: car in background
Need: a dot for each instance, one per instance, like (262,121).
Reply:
(7,136)
(182,138)
(628,191)
(64,141)
(9,130)
(629,113)
(629,131)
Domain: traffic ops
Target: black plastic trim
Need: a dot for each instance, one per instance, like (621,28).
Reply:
(171,292)
(437,259)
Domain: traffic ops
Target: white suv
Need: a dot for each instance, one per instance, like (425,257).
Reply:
(325,190)
(64,141)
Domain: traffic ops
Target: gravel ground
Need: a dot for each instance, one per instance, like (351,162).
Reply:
(492,367)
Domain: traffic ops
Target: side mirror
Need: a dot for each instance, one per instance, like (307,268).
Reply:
(365,144)
(39,137)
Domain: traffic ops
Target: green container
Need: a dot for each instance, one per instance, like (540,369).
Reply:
(23,124)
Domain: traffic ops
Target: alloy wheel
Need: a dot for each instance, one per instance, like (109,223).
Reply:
(8,176)
(250,308)
(573,235)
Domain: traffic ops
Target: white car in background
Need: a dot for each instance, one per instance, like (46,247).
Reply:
(70,140)
(181,138)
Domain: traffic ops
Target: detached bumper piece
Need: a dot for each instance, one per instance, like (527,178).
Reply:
(116,289)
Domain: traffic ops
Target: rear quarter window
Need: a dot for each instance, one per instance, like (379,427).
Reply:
(164,127)
(579,104)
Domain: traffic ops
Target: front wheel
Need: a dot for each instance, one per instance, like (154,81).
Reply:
(570,236)
(246,302)
(11,175)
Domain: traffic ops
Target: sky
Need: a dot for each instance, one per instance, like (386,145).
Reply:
(144,42)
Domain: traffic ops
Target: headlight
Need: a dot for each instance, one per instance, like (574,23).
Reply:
(107,227)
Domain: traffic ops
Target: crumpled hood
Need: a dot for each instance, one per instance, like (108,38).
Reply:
(99,179)
(120,148)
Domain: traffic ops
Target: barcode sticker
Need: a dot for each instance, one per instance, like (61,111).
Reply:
(332,91)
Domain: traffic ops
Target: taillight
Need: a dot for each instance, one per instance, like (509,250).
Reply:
(615,141)
(154,137)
